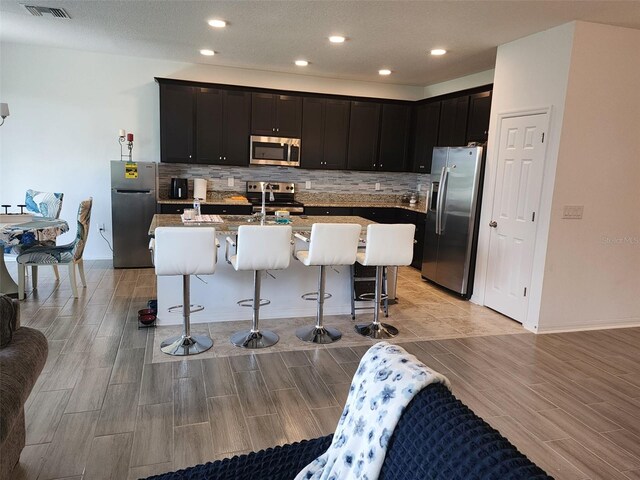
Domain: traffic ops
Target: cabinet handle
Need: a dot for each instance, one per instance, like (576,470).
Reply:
(219,158)
(277,129)
(189,156)
(225,158)
(273,129)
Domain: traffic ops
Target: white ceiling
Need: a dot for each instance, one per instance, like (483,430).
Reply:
(270,35)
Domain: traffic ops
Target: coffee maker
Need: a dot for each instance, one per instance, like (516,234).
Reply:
(179,188)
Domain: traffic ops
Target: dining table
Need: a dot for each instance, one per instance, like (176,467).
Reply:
(17,233)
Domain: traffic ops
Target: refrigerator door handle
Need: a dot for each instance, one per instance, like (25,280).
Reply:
(442,190)
(145,192)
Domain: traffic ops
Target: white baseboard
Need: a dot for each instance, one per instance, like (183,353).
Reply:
(635,322)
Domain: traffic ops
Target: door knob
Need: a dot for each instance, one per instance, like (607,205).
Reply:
(493,224)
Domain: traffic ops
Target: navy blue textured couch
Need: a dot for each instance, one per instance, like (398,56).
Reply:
(437,438)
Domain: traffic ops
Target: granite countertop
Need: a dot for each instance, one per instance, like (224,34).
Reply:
(316,200)
(232,222)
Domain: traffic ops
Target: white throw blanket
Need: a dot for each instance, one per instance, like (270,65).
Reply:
(386,381)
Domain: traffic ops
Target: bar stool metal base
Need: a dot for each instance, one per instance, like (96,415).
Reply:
(377,330)
(183,345)
(253,340)
(320,335)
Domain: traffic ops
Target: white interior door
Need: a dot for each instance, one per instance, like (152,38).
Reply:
(513,222)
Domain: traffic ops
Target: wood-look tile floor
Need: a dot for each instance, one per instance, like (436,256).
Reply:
(107,405)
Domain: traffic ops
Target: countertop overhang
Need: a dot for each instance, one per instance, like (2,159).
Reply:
(232,222)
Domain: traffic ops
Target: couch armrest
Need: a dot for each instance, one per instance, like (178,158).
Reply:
(279,463)
(21,362)
(9,319)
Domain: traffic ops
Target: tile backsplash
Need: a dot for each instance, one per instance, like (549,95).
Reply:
(322,181)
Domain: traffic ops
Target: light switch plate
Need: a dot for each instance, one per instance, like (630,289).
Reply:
(572,212)
(419,187)
(377,185)
(230,182)
(307,184)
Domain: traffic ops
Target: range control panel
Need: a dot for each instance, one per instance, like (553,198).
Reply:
(276,187)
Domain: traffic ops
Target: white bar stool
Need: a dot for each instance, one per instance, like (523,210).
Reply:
(258,248)
(386,245)
(330,244)
(185,251)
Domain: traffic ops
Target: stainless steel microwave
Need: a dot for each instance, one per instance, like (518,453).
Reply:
(275,151)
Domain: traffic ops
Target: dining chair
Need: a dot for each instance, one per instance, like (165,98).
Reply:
(44,204)
(70,254)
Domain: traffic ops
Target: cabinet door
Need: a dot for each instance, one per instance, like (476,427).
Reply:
(208,125)
(363,136)
(288,116)
(312,146)
(236,121)
(479,114)
(327,211)
(177,117)
(263,114)
(174,208)
(376,214)
(394,135)
(427,120)
(336,134)
(226,209)
(453,122)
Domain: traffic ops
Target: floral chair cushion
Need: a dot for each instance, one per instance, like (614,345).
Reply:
(44,204)
(44,255)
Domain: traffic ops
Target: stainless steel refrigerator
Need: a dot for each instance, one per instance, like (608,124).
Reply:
(452,217)
(133,204)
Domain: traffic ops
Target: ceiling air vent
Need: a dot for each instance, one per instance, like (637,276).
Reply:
(46,11)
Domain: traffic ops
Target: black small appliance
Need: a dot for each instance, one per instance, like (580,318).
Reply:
(179,188)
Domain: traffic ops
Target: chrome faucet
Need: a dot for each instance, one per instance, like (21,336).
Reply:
(264,186)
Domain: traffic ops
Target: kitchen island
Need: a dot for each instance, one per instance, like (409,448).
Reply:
(219,293)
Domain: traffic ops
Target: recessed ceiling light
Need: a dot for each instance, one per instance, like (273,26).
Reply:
(302,63)
(217,23)
(438,51)
(207,53)
(336,39)
(384,71)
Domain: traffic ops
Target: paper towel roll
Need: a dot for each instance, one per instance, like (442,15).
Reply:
(200,188)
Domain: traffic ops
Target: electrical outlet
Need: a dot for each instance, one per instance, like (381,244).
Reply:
(572,212)
(377,185)
(419,187)
(307,184)
(230,182)
(102,227)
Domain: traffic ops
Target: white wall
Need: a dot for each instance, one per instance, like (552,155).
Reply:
(531,73)
(592,268)
(469,81)
(67,106)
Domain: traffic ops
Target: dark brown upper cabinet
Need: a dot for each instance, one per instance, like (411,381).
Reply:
(363,136)
(276,115)
(425,135)
(479,116)
(204,125)
(394,138)
(177,123)
(222,126)
(453,122)
(325,133)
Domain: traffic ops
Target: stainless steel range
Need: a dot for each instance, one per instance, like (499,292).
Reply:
(277,195)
